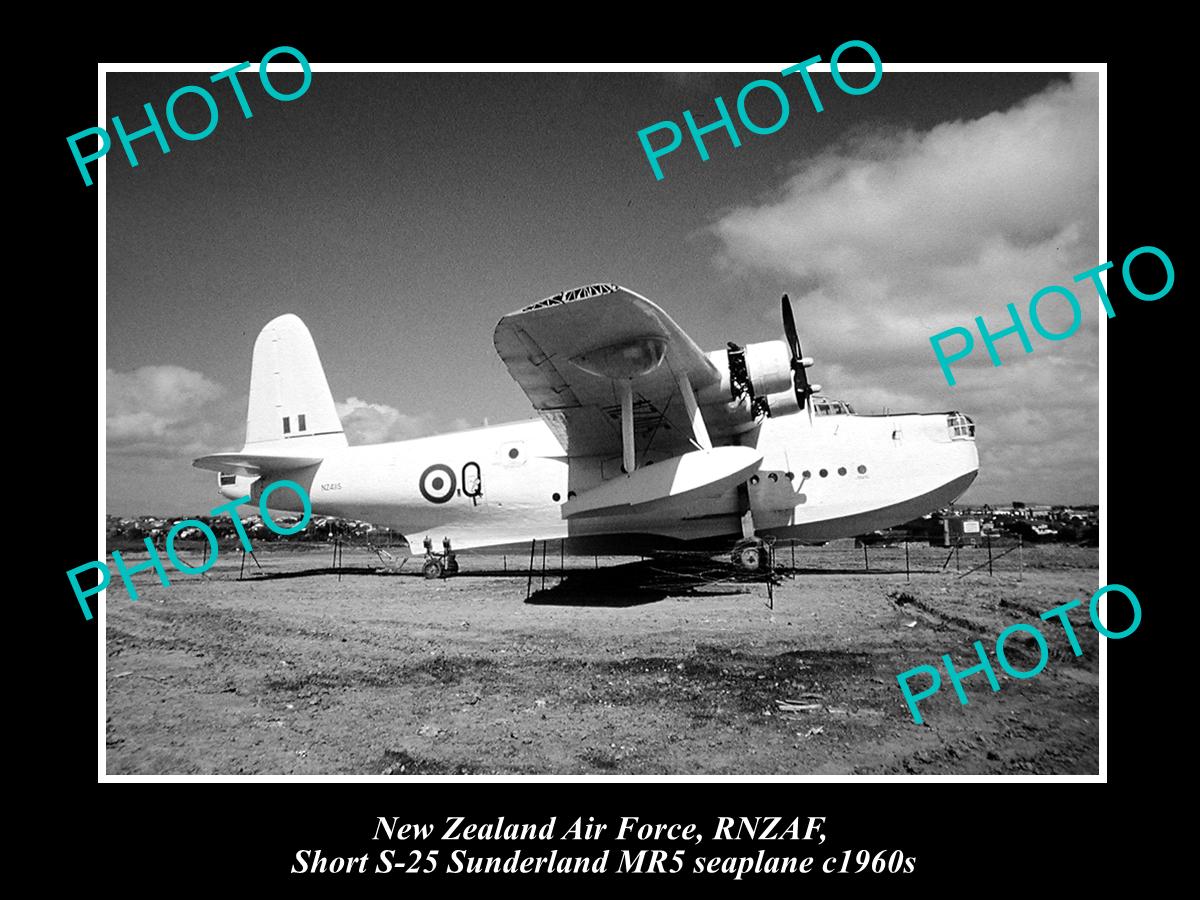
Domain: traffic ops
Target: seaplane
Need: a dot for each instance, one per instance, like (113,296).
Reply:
(643,442)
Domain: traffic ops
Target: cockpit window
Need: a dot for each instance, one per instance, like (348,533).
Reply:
(960,427)
(824,407)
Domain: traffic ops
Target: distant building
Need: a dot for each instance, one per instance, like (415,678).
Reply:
(960,531)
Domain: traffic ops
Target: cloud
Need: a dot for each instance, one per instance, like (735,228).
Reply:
(890,238)
(957,195)
(161,417)
(376,423)
(167,411)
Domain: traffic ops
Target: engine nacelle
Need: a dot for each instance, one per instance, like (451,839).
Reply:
(783,403)
(755,380)
(769,365)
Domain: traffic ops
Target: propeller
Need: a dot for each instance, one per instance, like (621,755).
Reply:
(800,363)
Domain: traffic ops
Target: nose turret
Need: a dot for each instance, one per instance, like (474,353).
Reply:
(961,427)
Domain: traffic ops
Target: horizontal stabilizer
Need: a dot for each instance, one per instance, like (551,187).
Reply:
(254,464)
(700,473)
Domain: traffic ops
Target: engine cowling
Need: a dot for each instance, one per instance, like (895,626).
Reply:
(767,378)
(783,403)
(769,366)
(755,379)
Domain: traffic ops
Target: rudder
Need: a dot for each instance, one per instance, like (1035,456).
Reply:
(290,402)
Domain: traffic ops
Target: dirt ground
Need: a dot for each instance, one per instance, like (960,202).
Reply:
(295,673)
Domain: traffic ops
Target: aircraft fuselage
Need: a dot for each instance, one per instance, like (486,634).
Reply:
(834,476)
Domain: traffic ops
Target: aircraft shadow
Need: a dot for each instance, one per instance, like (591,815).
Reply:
(308,573)
(801,570)
(643,582)
(637,584)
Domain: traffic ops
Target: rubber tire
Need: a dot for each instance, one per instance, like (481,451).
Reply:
(432,569)
(750,559)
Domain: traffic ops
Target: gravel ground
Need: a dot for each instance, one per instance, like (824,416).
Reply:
(295,673)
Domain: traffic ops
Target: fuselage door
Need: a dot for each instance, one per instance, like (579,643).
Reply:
(472,482)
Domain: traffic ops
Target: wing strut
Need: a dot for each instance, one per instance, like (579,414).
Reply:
(625,387)
(699,429)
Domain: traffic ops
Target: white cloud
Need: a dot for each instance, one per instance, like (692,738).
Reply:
(161,417)
(891,238)
(166,411)
(376,423)
(955,196)
(169,412)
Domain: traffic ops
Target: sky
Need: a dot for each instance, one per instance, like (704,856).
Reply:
(401,215)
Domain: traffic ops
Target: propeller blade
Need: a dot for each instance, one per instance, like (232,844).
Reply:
(799,361)
(789,328)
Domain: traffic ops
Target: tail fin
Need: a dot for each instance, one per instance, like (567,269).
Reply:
(290,402)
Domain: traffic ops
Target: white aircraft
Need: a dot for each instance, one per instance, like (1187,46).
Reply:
(644,441)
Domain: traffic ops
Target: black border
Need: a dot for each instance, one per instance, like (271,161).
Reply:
(961,839)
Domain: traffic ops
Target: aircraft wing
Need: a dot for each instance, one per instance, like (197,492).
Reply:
(564,351)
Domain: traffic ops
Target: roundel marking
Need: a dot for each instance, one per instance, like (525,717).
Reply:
(439,487)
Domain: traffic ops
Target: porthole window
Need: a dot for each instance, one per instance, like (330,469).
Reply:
(841,470)
(513,452)
(556,496)
(862,470)
(754,479)
(773,476)
(791,476)
(824,473)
